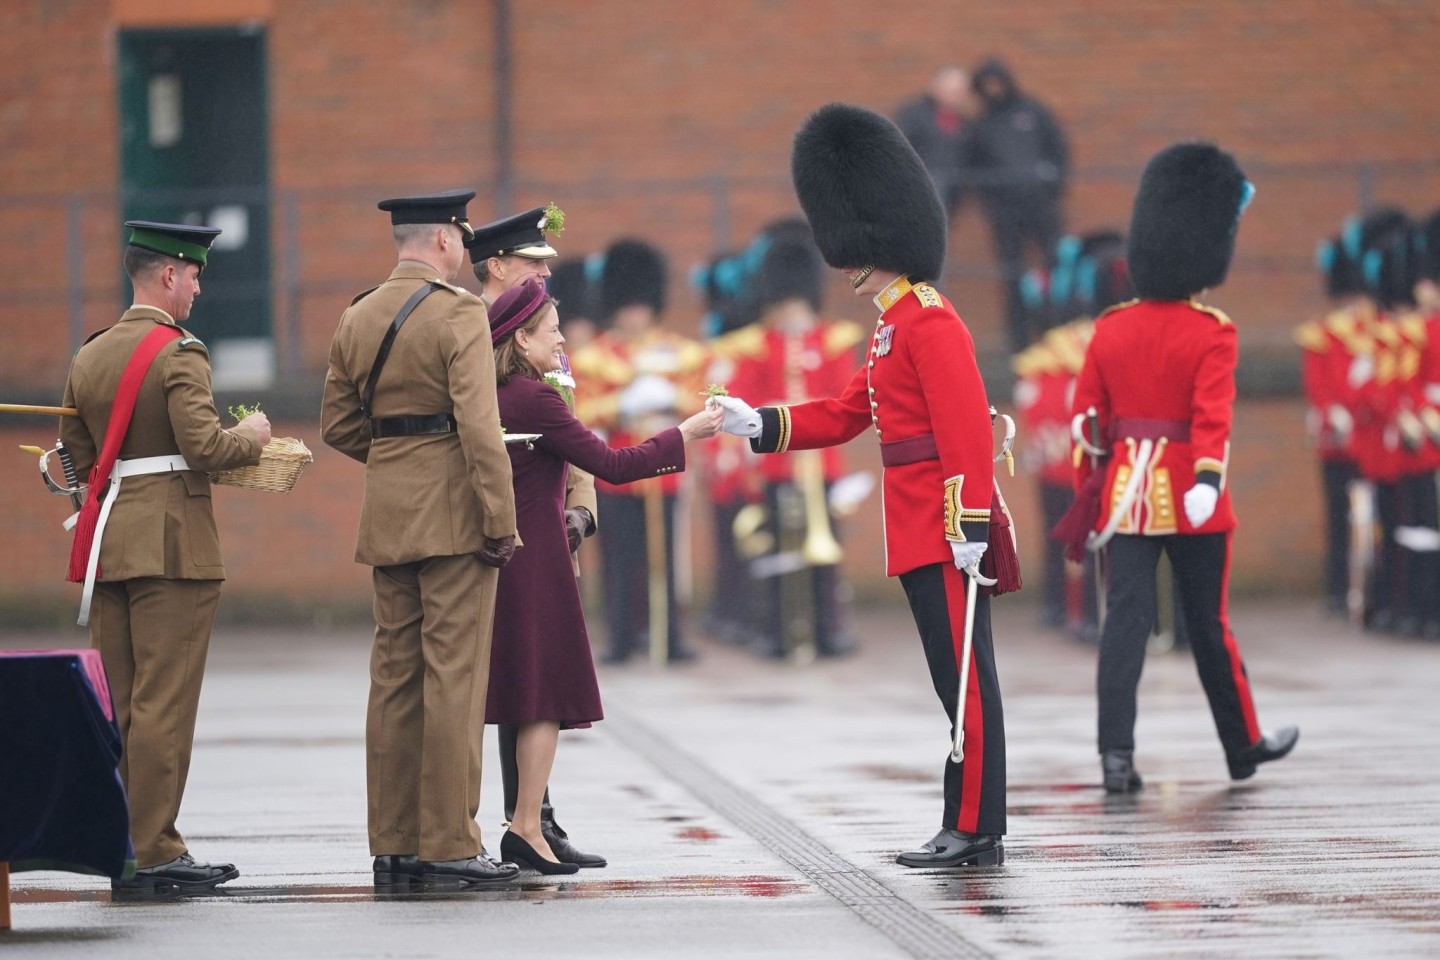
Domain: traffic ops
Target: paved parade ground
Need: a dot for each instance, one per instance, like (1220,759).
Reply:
(753,809)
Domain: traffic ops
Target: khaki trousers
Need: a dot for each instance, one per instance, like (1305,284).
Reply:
(153,636)
(429,674)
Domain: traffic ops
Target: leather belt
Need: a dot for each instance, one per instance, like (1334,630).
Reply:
(1137,428)
(897,453)
(411,425)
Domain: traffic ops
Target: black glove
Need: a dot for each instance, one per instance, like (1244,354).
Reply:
(497,553)
(577,525)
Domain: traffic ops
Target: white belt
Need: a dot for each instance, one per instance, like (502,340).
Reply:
(139,467)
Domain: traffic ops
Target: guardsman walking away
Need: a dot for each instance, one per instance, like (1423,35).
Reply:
(410,393)
(875,215)
(1160,372)
(503,255)
(146,435)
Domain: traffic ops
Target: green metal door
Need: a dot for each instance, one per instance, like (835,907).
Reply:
(194,149)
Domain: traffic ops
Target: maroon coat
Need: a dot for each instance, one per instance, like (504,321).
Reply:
(540,664)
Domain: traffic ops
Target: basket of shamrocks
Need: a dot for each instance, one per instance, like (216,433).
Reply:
(281,462)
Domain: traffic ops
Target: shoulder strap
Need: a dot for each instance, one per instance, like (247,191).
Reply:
(120,413)
(405,310)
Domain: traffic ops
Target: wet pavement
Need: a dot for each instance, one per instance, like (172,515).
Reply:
(749,807)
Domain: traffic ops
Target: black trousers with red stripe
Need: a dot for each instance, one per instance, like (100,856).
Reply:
(1202,575)
(974,788)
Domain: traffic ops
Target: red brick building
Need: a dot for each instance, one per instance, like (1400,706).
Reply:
(288,119)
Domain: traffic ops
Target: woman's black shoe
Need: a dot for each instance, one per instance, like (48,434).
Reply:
(514,848)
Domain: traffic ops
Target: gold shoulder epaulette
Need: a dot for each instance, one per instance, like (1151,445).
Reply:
(1341,323)
(692,353)
(927,295)
(1413,326)
(747,341)
(842,336)
(1112,309)
(1311,336)
(1215,312)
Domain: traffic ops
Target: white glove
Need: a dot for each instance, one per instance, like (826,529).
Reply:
(967,553)
(1362,369)
(1200,503)
(648,394)
(741,419)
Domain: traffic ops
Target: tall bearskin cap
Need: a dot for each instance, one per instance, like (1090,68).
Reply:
(866,194)
(567,284)
(721,282)
(634,273)
(1390,269)
(1427,248)
(791,269)
(1182,229)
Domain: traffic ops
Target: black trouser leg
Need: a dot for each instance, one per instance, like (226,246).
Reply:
(975,787)
(1009,233)
(1335,477)
(1129,617)
(1384,577)
(622,548)
(1055,499)
(1202,573)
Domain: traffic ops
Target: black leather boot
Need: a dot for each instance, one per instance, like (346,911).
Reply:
(1272,746)
(1118,766)
(397,873)
(951,848)
(180,876)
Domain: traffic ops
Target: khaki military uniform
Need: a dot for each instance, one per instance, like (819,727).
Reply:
(160,564)
(430,503)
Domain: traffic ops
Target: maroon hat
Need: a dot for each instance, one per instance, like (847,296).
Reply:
(514,307)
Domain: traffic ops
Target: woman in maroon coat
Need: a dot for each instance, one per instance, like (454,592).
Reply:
(542,677)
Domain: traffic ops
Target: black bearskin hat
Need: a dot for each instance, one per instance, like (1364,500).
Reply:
(568,285)
(866,194)
(721,282)
(790,269)
(1182,229)
(634,273)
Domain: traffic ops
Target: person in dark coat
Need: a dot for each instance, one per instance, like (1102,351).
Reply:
(1015,156)
(934,123)
(542,676)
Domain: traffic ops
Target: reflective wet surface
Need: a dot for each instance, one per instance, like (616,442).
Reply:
(823,774)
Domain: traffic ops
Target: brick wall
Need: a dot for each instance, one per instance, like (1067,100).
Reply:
(673,122)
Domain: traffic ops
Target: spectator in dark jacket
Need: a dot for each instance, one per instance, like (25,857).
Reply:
(934,123)
(1014,156)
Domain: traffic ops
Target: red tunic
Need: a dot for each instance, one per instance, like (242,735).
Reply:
(1161,374)
(920,383)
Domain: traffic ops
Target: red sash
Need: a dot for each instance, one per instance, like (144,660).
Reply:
(120,414)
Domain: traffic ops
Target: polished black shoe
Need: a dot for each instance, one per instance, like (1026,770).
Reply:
(397,874)
(565,851)
(178,877)
(517,849)
(1272,746)
(1118,766)
(951,848)
(476,872)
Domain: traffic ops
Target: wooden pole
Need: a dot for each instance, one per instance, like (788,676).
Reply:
(4,895)
(31,408)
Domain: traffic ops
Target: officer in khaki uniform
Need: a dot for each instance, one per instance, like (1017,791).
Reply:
(410,393)
(503,255)
(159,568)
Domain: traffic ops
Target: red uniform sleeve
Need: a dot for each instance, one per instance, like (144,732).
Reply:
(1213,403)
(1090,392)
(819,423)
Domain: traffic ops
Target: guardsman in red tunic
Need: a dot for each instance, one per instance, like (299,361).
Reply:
(1160,372)
(1426,397)
(796,355)
(875,214)
(639,379)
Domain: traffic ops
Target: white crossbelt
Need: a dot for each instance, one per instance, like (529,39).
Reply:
(138,467)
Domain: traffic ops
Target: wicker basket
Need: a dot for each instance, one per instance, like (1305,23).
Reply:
(281,463)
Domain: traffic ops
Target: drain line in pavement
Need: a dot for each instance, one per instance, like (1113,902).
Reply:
(909,927)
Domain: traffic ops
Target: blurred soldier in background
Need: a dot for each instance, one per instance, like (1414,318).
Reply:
(797,356)
(1015,156)
(1160,374)
(503,255)
(934,123)
(639,379)
(570,285)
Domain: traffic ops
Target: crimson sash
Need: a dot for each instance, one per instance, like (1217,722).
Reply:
(120,414)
